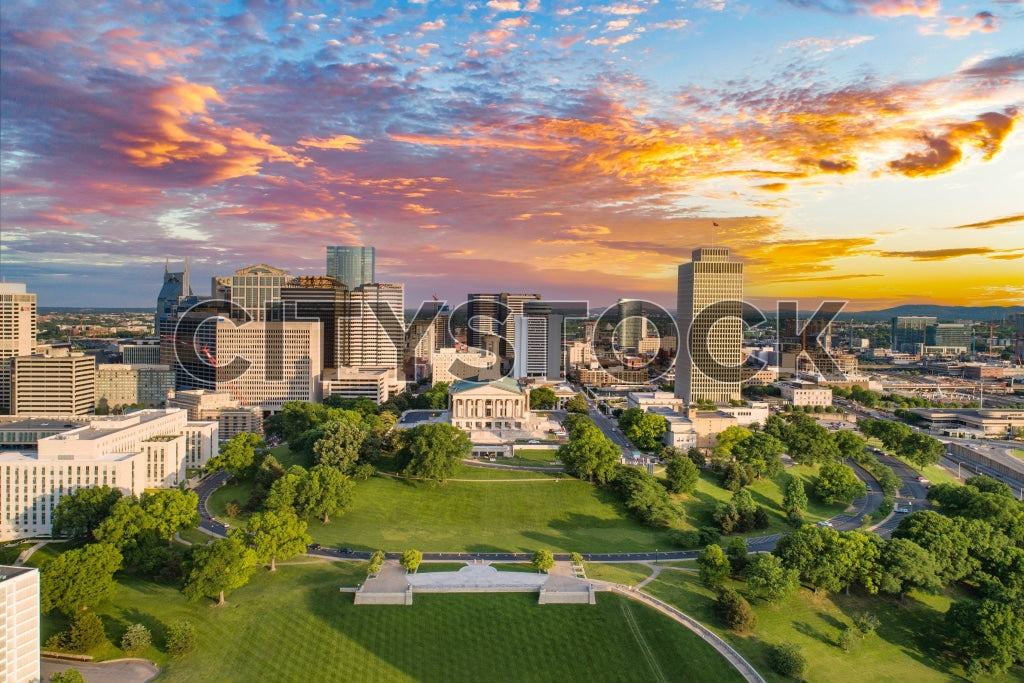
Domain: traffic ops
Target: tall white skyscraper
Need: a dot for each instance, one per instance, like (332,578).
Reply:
(709,314)
(257,288)
(17,333)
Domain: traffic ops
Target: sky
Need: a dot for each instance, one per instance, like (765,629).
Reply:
(870,151)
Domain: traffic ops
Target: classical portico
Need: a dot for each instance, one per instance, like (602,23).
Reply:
(499,404)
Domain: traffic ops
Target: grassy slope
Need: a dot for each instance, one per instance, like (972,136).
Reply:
(317,633)
(904,648)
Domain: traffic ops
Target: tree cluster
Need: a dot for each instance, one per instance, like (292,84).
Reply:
(432,451)
(645,496)
(643,429)
(740,515)
(589,453)
(918,448)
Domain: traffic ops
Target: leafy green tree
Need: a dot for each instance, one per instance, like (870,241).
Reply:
(79,513)
(436,397)
(737,554)
(543,398)
(433,451)
(181,638)
(837,483)
(284,493)
(988,635)
(276,535)
(787,659)
(339,444)
(170,511)
(727,439)
(325,491)
(762,453)
(942,539)
(643,429)
(849,444)
(126,521)
(218,568)
(644,495)
(83,577)
(577,404)
(136,639)
(734,611)
(794,498)
(713,565)
(906,565)
(981,482)
(238,456)
(543,561)
(86,632)
(376,562)
(68,676)
(411,560)
(682,474)
(769,579)
(590,453)
(807,441)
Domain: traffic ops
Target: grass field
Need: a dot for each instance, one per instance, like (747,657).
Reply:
(196,537)
(905,647)
(533,457)
(9,552)
(471,472)
(517,516)
(294,625)
(626,573)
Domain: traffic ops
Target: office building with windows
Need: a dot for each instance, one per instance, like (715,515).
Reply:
(255,289)
(17,333)
(56,382)
(352,266)
(19,624)
(709,310)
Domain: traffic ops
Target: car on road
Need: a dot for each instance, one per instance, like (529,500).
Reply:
(315,546)
(533,441)
(825,524)
(347,551)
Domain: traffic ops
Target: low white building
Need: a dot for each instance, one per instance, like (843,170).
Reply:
(755,412)
(19,624)
(680,432)
(451,364)
(145,449)
(806,394)
(645,400)
(375,384)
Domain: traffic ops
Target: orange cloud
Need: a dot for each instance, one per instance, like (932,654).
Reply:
(902,8)
(944,149)
(937,254)
(773,187)
(995,222)
(341,142)
(982,22)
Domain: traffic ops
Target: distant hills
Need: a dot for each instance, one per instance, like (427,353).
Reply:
(943,313)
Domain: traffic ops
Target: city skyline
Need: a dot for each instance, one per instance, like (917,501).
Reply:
(863,150)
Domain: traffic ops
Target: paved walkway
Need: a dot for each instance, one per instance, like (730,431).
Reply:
(115,671)
(27,553)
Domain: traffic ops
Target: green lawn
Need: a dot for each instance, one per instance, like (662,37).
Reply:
(294,625)
(626,573)
(9,552)
(471,472)
(905,648)
(533,457)
(195,536)
(701,503)
(517,516)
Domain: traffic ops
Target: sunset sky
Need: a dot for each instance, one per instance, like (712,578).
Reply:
(869,150)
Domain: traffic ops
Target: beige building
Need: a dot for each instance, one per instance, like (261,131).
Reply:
(710,293)
(19,624)
(264,365)
(17,333)
(146,352)
(708,424)
(376,385)
(806,394)
(753,413)
(144,449)
(452,364)
(256,287)
(496,405)
(646,400)
(372,334)
(221,407)
(123,385)
(57,382)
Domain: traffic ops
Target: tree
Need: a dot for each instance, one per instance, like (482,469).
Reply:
(988,635)
(590,453)
(543,398)
(284,493)
(643,429)
(433,451)
(324,491)
(543,561)
(787,659)
(339,444)
(136,639)
(849,444)
(238,455)
(69,676)
(760,452)
(79,578)
(411,559)
(837,483)
(734,612)
(123,525)
(921,449)
(769,579)
(906,565)
(713,565)
(376,562)
(737,554)
(169,511)
(807,441)
(727,439)
(79,513)
(436,397)
(218,568)
(795,497)
(181,638)
(577,404)
(86,632)
(682,474)
(276,535)
(939,535)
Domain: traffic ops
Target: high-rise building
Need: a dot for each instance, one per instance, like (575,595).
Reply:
(631,326)
(120,385)
(908,331)
(709,311)
(539,336)
(17,333)
(57,382)
(175,287)
(19,624)
(352,266)
(372,336)
(494,314)
(320,298)
(143,352)
(949,334)
(190,344)
(256,289)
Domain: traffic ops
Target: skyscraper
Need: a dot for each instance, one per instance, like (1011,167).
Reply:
(17,333)
(352,266)
(709,314)
(256,289)
(909,330)
(631,323)
(539,337)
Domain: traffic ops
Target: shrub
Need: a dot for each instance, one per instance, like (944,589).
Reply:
(543,560)
(734,611)
(181,638)
(787,659)
(136,639)
(233,509)
(684,539)
(866,623)
(86,632)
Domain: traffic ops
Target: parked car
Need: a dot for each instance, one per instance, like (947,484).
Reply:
(825,524)
(347,551)
(315,546)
